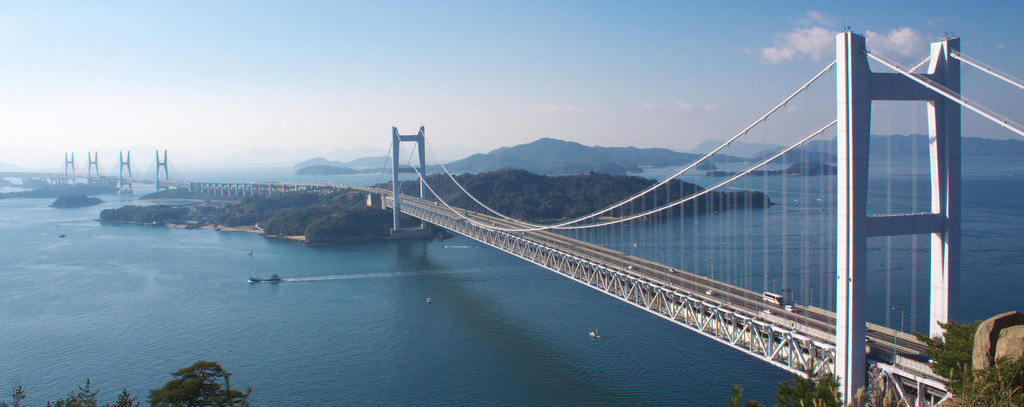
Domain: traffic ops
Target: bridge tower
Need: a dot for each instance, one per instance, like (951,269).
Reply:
(164,165)
(67,163)
(396,144)
(856,88)
(125,188)
(94,161)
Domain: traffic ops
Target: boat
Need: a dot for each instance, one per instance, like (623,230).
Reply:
(274,278)
(63,235)
(428,300)
(594,334)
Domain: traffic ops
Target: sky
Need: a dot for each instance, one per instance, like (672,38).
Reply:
(212,79)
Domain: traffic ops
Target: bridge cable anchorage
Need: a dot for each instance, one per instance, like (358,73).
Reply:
(533,226)
(988,69)
(634,216)
(954,96)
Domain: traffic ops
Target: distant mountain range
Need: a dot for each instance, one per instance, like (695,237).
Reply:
(551,156)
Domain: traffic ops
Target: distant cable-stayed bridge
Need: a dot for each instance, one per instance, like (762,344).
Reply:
(709,259)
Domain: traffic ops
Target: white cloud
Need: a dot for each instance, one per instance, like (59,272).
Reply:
(813,42)
(1000,46)
(686,107)
(652,106)
(903,41)
(711,107)
(815,17)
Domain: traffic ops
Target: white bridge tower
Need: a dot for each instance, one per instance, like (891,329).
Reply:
(856,88)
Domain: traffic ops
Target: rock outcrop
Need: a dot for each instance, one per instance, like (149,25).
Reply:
(990,338)
(1011,343)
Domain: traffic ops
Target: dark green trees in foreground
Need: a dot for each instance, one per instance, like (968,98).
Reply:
(199,385)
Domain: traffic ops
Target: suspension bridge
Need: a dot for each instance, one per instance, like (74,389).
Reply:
(707,260)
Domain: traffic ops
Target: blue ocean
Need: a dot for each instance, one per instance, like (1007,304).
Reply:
(125,305)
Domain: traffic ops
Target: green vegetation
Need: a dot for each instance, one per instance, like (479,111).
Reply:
(198,385)
(75,201)
(529,196)
(334,218)
(804,392)
(1002,384)
(176,193)
(154,214)
(323,219)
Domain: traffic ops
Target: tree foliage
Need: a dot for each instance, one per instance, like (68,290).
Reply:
(524,195)
(1002,384)
(17,395)
(803,392)
(158,214)
(199,385)
(951,353)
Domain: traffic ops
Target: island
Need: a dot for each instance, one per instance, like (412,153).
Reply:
(343,216)
(325,170)
(798,169)
(75,201)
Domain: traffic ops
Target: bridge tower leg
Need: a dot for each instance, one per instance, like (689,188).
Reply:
(68,163)
(164,165)
(94,161)
(396,144)
(856,88)
(123,187)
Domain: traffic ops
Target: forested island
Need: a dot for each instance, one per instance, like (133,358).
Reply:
(534,197)
(341,217)
(798,169)
(75,201)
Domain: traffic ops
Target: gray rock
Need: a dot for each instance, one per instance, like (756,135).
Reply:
(987,336)
(1011,343)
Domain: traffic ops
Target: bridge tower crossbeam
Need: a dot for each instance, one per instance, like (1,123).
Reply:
(856,88)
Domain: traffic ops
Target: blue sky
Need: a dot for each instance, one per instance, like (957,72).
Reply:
(215,78)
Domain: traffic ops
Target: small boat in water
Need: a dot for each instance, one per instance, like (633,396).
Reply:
(274,278)
(594,334)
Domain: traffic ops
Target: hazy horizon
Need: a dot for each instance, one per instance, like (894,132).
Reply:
(217,80)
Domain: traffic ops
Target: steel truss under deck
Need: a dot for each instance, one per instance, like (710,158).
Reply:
(773,342)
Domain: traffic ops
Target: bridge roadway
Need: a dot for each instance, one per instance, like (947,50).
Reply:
(811,328)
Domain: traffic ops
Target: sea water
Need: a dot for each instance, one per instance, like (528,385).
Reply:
(124,305)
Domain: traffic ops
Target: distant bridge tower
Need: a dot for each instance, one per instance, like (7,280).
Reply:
(68,164)
(164,165)
(856,88)
(94,161)
(125,188)
(396,144)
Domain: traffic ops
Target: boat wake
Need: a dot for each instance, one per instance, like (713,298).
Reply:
(378,275)
(458,247)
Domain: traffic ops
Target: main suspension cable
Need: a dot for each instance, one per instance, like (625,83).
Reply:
(562,225)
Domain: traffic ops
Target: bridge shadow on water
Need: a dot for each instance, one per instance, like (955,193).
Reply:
(534,369)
